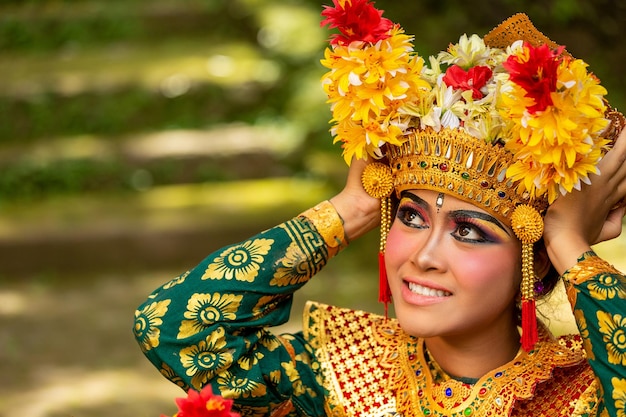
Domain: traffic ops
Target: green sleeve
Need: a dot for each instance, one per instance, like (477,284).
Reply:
(597,293)
(210,325)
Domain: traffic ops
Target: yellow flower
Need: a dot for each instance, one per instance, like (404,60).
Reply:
(366,86)
(613,329)
(559,147)
(241,262)
(204,310)
(147,322)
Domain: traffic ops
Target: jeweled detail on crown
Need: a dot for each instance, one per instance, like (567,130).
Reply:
(452,161)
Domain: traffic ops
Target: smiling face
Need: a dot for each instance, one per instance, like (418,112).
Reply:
(454,270)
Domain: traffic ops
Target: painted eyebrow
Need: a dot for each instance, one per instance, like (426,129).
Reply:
(457,214)
(417,200)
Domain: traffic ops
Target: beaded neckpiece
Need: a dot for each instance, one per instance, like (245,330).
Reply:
(419,393)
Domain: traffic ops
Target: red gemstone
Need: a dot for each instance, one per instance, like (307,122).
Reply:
(443,166)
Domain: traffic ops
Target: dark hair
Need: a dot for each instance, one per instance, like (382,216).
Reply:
(546,284)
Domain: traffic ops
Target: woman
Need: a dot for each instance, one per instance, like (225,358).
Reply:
(472,242)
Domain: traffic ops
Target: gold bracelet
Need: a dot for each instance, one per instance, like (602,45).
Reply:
(328,223)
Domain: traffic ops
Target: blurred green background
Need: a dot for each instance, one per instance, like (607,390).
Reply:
(138,136)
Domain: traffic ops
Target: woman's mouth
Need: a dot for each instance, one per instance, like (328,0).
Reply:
(426,291)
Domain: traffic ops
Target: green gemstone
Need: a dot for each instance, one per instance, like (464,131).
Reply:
(467,411)
(424,164)
(465,176)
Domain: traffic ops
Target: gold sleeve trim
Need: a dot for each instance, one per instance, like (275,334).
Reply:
(588,267)
(328,224)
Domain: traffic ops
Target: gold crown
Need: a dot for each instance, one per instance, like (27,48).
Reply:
(452,161)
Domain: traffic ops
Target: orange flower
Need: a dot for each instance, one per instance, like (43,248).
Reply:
(204,404)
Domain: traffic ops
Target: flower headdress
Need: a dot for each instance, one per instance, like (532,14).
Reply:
(509,121)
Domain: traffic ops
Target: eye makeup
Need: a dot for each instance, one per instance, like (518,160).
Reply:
(486,227)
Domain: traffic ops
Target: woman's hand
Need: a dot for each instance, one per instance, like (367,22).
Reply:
(594,214)
(360,212)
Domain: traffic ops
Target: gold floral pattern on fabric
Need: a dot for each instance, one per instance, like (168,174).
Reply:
(619,395)
(603,280)
(305,256)
(588,267)
(241,262)
(176,281)
(249,359)
(147,322)
(207,358)
(268,341)
(613,329)
(293,269)
(372,368)
(170,374)
(608,287)
(203,310)
(581,322)
(232,386)
(299,388)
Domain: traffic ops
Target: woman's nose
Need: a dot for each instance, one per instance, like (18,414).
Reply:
(431,254)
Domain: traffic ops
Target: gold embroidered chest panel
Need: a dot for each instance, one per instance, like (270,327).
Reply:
(371,368)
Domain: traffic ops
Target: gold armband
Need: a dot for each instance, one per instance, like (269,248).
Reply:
(328,223)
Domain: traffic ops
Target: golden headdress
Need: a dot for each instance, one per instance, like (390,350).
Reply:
(506,122)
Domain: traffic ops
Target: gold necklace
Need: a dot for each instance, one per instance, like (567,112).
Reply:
(419,393)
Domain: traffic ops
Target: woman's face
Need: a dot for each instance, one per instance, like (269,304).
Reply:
(454,270)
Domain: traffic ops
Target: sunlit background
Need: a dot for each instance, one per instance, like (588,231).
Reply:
(138,136)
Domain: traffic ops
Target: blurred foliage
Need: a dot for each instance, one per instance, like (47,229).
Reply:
(98,67)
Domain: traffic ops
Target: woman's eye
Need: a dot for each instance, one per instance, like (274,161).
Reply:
(468,233)
(411,217)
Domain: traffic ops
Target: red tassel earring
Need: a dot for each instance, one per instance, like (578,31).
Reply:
(378,182)
(384,292)
(527,224)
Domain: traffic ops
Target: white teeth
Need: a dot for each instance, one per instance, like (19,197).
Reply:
(429,292)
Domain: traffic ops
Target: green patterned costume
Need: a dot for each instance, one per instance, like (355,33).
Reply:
(211,326)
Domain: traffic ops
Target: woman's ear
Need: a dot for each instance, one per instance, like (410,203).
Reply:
(542,262)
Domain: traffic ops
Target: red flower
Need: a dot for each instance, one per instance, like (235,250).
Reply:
(474,79)
(357,20)
(536,73)
(204,404)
